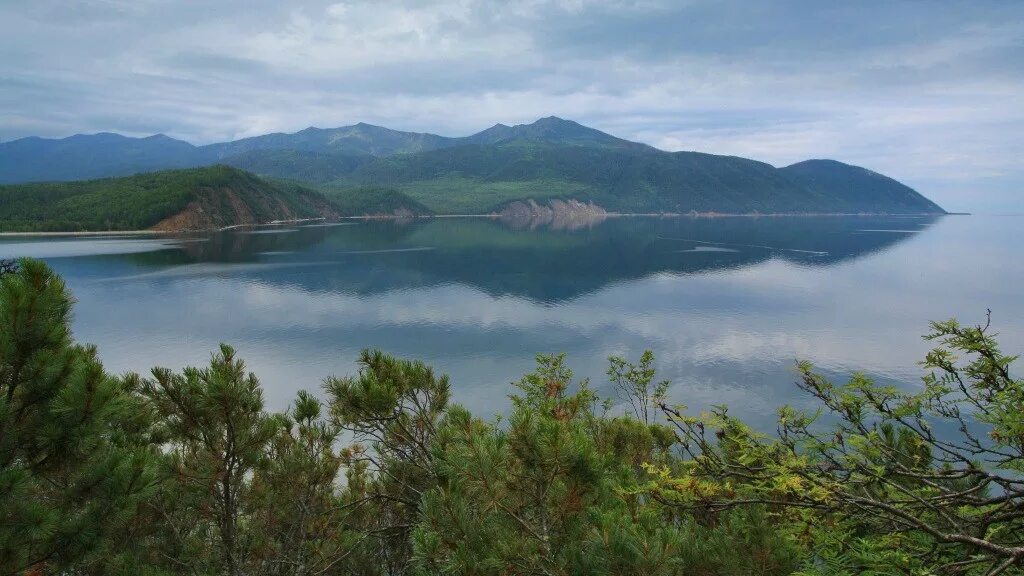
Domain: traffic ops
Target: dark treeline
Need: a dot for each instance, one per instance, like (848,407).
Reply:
(188,473)
(138,202)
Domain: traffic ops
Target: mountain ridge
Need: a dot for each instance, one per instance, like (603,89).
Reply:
(357,138)
(551,158)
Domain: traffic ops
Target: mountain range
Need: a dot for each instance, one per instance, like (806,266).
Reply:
(549,160)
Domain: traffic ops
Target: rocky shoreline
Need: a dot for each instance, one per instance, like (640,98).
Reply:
(558,214)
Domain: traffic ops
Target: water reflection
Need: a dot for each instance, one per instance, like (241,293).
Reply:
(726,304)
(547,265)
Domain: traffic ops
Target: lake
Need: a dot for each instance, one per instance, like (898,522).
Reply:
(726,304)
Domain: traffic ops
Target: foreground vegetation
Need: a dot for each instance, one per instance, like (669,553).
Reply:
(187,472)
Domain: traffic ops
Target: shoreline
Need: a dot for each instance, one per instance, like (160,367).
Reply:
(493,216)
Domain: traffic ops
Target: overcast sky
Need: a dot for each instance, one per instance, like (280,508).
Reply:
(931,93)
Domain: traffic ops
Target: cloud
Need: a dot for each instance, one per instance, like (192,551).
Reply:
(927,93)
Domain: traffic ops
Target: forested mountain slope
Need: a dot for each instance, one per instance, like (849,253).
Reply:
(192,199)
(549,159)
(484,178)
(859,188)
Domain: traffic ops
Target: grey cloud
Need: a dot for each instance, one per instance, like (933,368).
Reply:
(214,63)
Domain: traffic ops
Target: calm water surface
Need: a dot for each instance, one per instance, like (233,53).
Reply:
(726,304)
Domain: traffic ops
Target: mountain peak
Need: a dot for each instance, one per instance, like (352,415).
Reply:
(163,138)
(556,123)
(550,129)
(554,120)
(365,127)
(368,126)
(819,162)
(99,136)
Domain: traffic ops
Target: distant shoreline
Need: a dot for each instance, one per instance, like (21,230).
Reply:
(495,216)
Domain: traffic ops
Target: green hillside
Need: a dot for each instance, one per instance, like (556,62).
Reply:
(456,194)
(374,201)
(301,165)
(554,158)
(484,172)
(859,188)
(200,198)
(483,178)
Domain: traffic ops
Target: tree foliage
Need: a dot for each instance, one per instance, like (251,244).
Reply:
(216,433)
(69,476)
(392,409)
(880,477)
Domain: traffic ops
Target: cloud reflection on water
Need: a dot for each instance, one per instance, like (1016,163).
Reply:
(723,330)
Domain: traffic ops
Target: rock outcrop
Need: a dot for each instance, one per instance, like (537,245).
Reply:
(557,214)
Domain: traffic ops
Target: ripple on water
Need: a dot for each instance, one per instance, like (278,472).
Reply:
(708,249)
